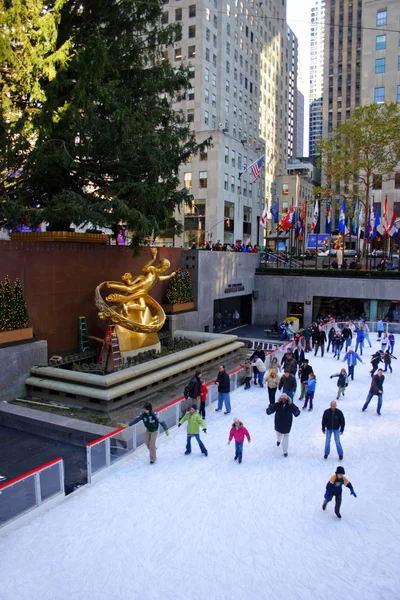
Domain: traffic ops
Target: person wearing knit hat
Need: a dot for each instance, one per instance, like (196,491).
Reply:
(334,489)
(284,411)
(194,421)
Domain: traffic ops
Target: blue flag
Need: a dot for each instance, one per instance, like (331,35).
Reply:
(342,218)
(377,222)
(275,212)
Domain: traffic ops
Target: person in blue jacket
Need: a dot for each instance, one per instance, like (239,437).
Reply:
(310,391)
(351,357)
(360,337)
(334,489)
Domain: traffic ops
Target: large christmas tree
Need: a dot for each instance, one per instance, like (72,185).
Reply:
(7,305)
(13,310)
(180,288)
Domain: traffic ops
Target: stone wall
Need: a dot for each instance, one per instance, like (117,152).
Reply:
(17,359)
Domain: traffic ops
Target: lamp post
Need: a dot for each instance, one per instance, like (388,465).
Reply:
(210,232)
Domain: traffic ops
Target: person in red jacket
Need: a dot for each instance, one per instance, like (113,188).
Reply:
(239,432)
(203,398)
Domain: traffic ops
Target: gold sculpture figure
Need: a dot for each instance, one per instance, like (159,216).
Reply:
(136,314)
(338,245)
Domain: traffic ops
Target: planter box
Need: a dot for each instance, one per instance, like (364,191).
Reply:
(16,336)
(60,236)
(174,308)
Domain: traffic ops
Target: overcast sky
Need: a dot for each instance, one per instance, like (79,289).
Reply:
(298,16)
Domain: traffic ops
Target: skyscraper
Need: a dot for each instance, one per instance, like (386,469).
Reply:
(316,73)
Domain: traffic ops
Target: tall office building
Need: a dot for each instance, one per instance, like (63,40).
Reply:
(292,54)
(381,76)
(342,61)
(238,57)
(298,150)
(316,74)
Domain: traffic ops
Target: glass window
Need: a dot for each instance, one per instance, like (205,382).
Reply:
(228,48)
(206,117)
(380,42)
(226,181)
(244,185)
(398,93)
(379,95)
(192,51)
(208,54)
(192,11)
(190,94)
(398,63)
(232,184)
(191,73)
(227,106)
(192,31)
(233,158)
(239,161)
(208,33)
(178,54)
(381,18)
(203,179)
(204,154)
(188,180)
(215,21)
(178,14)
(214,80)
(207,74)
(190,115)
(377,182)
(380,65)
(397,181)
(226,155)
(214,100)
(213,122)
(227,85)
(165,17)
(206,96)
(285,189)
(208,14)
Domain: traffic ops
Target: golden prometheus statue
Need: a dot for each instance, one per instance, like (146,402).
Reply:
(137,315)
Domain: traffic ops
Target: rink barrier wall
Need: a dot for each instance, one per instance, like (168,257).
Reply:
(40,487)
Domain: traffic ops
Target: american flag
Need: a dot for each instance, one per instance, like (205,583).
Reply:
(255,168)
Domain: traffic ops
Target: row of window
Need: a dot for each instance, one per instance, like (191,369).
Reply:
(178,14)
(229,184)
(379,95)
(380,43)
(377,182)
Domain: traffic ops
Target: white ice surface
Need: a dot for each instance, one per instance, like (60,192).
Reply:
(198,528)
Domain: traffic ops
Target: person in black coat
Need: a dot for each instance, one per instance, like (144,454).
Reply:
(319,341)
(288,362)
(284,411)
(304,372)
(333,422)
(259,353)
(376,389)
(192,392)
(288,384)
(331,336)
(298,354)
(224,387)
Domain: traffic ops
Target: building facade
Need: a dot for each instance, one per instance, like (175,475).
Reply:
(316,74)
(238,55)
(298,149)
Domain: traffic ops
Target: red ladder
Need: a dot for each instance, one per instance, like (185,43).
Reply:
(111,348)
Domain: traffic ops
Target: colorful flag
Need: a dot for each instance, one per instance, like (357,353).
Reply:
(354,221)
(302,221)
(298,224)
(255,168)
(328,225)
(392,230)
(376,224)
(288,221)
(385,224)
(275,212)
(342,217)
(315,217)
(264,215)
(371,222)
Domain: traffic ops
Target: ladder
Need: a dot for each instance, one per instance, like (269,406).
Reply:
(84,344)
(111,349)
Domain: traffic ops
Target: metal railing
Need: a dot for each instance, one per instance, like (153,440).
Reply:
(31,490)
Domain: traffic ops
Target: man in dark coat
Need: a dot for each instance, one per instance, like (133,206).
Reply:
(288,384)
(304,372)
(319,341)
(333,422)
(224,387)
(376,389)
(347,335)
(284,410)
(192,392)
(288,363)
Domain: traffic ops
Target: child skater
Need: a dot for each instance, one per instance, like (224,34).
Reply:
(203,398)
(239,432)
(334,488)
(247,374)
(310,390)
(387,359)
(384,342)
(342,382)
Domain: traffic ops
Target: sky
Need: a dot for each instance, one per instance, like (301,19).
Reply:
(201,528)
(298,16)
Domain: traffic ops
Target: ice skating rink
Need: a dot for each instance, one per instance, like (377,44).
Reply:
(196,528)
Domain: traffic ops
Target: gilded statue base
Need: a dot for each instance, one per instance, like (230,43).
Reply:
(135,342)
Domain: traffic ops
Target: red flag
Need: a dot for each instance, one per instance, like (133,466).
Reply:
(392,227)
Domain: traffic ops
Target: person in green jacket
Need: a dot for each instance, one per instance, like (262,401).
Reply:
(151,422)
(193,429)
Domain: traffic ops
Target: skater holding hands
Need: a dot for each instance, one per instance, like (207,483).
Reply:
(238,432)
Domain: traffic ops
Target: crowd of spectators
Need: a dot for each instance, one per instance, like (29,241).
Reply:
(236,247)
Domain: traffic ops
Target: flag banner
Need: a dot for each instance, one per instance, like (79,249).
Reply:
(255,168)
(371,222)
(328,225)
(376,224)
(342,218)
(385,223)
(315,217)
(392,230)
(275,212)
(264,216)
(354,221)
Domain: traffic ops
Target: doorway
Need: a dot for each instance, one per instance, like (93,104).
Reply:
(296,309)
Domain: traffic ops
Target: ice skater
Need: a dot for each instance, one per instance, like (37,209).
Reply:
(377,357)
(151,422)
(376,389)
(391,341)
(203,399)
(238,433)
(284,411)
(351,358)
(342,382)
(384,341)
(333,422)
(334,489)
(223,382)
(310,391)
(387,359)
(193,429)
(247,374)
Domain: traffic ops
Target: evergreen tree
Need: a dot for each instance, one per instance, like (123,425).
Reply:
(180,288)
(2,323)
(105,143)
(20,316)
(7,305)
